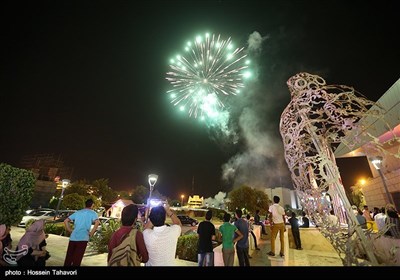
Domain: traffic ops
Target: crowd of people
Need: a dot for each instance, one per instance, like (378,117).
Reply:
(156,244)
(386,219)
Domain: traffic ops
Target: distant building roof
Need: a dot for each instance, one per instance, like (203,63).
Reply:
(195,201)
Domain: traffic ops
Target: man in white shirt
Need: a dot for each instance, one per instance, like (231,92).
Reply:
(161,239)
(277,222)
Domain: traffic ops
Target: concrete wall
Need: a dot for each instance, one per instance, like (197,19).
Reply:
(374,191)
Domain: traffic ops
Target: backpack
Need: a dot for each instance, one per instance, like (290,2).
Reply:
(125,254)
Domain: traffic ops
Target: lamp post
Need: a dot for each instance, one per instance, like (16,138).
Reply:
(152,181)
(182,196)
(65,183)
(377,163)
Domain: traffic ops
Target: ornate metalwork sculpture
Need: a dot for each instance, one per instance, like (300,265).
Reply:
(317,117)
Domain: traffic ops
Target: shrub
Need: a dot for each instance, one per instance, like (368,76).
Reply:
(99,241)
(56,228)
(16,189)
(186,249)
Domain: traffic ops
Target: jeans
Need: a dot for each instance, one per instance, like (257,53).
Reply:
(206,259)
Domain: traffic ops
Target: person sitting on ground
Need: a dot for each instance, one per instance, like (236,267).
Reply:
(34,240)
(128,221)
(228,232)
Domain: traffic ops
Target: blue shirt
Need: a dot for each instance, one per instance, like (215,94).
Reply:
(83,220)
(244,229)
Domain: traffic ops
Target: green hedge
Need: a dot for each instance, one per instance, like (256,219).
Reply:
(56,228)
(186,249)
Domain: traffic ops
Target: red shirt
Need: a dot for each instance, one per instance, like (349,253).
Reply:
(116,240)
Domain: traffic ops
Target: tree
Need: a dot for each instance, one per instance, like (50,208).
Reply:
(243,197)
(262,201)
(140,194)
(123,195)
(16,190)
(357,196)
(73,201)
(80,187)
(101,189)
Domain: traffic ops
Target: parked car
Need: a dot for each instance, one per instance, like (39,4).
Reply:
(186,220)
(61,216)
(38,214)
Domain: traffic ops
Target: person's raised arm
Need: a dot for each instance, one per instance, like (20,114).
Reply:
(175,220)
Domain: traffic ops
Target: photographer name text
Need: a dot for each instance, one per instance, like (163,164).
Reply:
(44,272)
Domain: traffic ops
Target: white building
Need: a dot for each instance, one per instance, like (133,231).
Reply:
(287,196)
(195,201)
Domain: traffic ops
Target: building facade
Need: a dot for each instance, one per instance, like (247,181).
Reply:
(386,131)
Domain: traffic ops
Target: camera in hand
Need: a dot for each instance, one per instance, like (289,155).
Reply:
(157,202)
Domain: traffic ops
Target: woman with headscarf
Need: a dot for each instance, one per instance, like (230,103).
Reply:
(35,240)
(5,242)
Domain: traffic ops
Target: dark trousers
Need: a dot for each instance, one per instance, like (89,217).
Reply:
(243,255)
(296,237)
(255,239)
(75,252)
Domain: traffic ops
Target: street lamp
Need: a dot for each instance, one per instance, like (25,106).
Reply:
(65,183)
(152,181)
(377,163)
(182,196)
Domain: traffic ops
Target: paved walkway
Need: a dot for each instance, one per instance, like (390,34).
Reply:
(57,246)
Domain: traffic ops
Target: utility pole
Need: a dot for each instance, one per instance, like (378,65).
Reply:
(193,185)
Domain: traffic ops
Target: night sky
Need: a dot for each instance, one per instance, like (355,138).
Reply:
(86,80)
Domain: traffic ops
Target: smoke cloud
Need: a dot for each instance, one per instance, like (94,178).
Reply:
(254,121)
(216,201)
(255,42)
